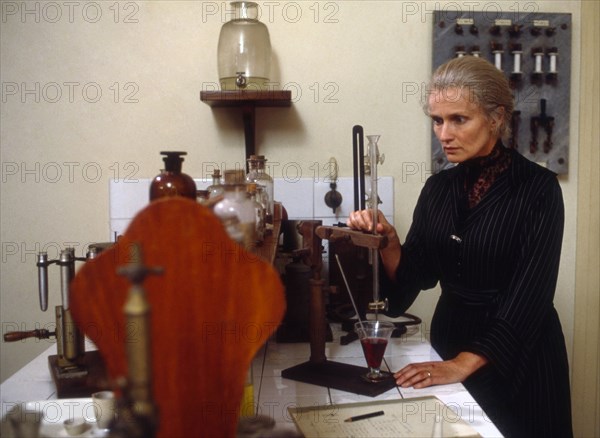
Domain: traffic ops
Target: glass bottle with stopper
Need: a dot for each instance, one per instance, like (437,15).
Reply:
(236,211)
(259,210)
(172,181)
(257,174)
(216,188)
(244,50)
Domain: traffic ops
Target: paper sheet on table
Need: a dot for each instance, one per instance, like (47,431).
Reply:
(415,417)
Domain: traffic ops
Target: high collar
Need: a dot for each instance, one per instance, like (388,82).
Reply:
(479,163)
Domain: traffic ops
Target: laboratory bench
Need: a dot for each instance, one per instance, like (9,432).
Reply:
(273,394)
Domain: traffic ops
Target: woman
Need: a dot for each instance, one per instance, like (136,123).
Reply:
(489,230)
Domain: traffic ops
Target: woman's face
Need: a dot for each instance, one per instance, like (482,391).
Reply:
(460,125)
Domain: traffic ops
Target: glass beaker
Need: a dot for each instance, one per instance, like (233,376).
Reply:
(244,50)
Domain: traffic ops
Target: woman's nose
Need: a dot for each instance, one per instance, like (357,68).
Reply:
(444,132)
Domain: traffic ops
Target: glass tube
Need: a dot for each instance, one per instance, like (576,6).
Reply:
(374,198)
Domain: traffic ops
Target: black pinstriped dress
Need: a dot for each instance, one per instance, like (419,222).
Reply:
(497,264)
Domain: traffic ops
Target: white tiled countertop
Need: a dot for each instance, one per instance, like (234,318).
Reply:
(274,394)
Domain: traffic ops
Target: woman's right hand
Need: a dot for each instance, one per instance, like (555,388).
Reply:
(390,255)
(363,220)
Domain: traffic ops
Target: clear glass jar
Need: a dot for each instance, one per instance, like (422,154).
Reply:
(244,51)
(257,174)
(236,211)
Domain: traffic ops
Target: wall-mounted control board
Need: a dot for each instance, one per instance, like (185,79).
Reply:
(534,51)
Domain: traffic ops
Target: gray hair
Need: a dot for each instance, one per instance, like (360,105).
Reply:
(487,87)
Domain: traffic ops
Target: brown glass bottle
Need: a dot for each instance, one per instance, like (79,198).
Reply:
(171,181)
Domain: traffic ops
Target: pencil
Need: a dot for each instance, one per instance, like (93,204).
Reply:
(363,417)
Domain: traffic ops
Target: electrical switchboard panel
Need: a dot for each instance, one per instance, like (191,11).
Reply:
(534,51)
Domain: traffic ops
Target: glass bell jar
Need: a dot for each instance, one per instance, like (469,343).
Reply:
(244,51)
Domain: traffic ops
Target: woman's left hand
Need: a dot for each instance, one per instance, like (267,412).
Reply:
(424,374)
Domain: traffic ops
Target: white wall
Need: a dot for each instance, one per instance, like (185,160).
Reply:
(346,62)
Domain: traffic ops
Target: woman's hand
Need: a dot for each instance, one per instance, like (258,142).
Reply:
(424,374)
(363,220)
(390,255)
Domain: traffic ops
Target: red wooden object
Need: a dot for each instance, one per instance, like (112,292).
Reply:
(211,310)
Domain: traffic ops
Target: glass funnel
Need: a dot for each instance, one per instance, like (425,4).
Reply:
(374,337)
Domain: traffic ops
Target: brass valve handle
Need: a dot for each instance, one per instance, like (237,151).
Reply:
(18,336)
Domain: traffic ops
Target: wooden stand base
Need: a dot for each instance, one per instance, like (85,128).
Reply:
(83,382)
(340,376)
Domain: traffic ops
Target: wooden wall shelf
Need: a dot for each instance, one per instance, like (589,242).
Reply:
(248,101)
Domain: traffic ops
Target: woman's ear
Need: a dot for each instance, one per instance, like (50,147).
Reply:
(497,118)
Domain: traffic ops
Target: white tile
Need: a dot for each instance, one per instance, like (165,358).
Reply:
(464,406)
(118,227)
(128,197)
(353,349)
(302,198)
(282,350)
(202,184)
(296,196)
(339,397)
(345,187)
(414,349)
(273,388)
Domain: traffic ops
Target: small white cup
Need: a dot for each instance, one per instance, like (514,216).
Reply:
(104,408)
(75,426)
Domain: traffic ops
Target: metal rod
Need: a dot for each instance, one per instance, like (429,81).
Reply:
(66,264)
(359,167)
(349,292)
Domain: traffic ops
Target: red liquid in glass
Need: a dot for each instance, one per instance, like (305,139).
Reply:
(374,349)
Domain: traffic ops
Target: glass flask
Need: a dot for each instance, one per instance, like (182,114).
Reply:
(235,210)
(172,181)
(257,174)
(244,50)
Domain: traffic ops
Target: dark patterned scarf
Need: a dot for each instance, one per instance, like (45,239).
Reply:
(480,173)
